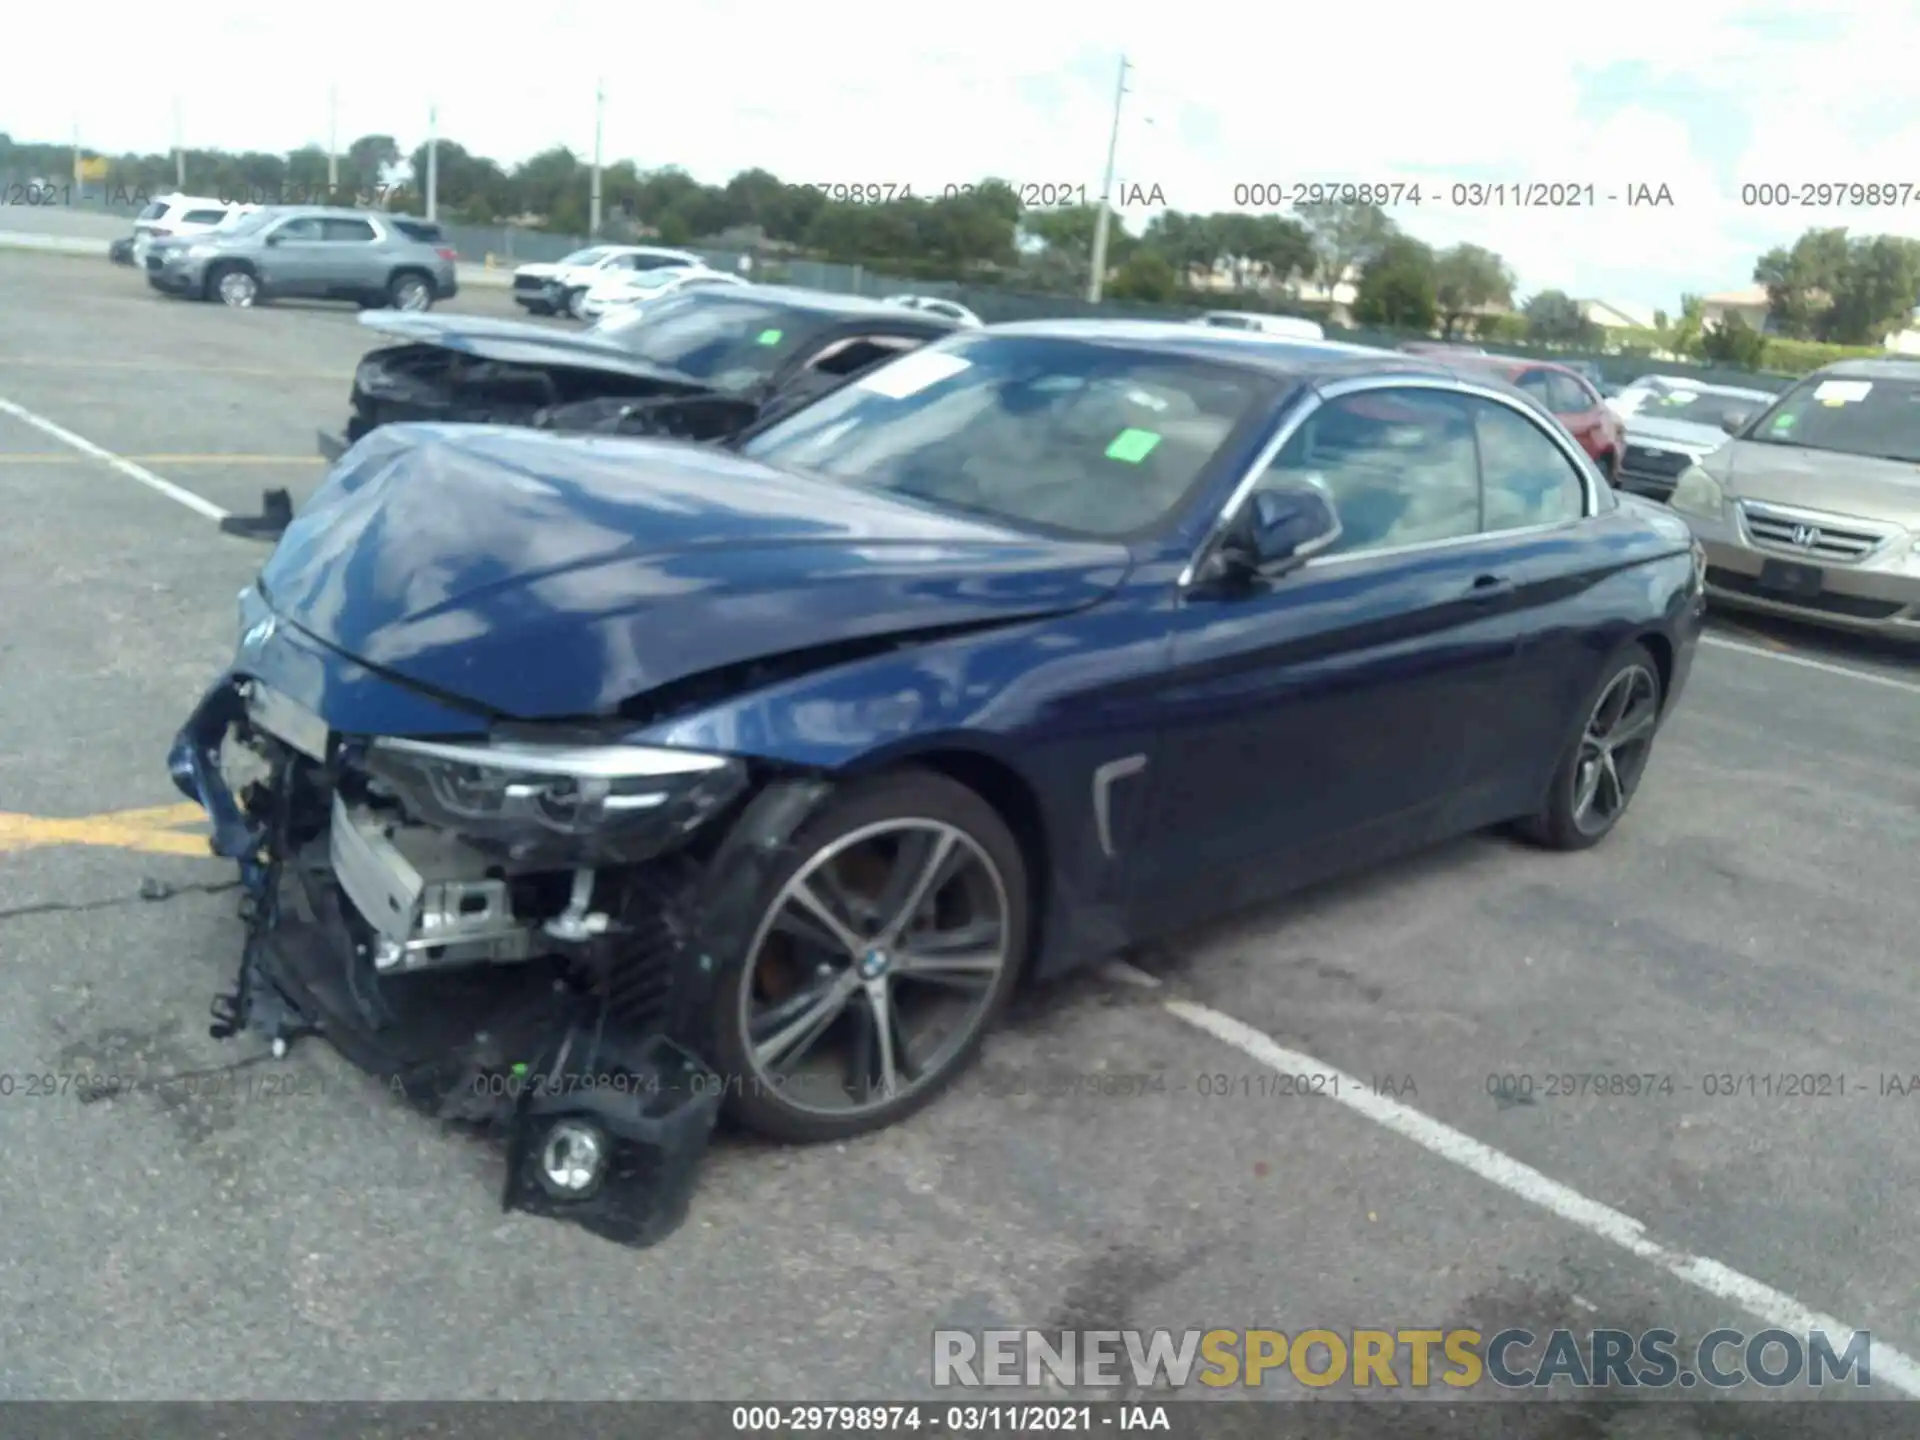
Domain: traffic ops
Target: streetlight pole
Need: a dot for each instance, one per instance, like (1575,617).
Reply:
(593,194)
(1103,219)
(333,141)
(179,150)
(433,160)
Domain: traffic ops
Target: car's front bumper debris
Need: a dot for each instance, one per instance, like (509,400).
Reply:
(604,1108)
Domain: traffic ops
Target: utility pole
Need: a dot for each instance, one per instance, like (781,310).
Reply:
(593,194)
(333,142)
(433,160)
(1102,220)
(179,150)
(79,176)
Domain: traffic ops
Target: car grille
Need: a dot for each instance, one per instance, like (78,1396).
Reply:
(528,282)
(1810,534)
(1857,606)
(1642,462)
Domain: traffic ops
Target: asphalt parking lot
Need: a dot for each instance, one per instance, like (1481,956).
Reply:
(1756,916)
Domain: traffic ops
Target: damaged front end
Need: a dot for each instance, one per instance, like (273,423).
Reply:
(520,938)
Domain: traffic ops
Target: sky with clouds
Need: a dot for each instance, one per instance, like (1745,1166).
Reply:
(1698,96)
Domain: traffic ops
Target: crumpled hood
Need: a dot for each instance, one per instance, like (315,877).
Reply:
(554,576)
(1674,434)
(1857,485)
(521,342)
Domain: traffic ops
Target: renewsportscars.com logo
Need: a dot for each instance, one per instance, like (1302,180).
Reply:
(1513,1359)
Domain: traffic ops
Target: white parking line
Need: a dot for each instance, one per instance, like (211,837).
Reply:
(1891,1368)
(127,468)
(1828,666)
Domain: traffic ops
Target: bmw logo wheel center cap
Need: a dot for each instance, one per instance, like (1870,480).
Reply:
(875,963)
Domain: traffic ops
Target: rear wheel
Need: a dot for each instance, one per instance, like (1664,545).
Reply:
(575,303)
(410,290)
(888,943)
(233,285)
(1601,768)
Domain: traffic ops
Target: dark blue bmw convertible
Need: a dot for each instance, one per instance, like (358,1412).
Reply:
(586,786)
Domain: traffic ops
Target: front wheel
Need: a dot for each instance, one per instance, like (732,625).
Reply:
(1603,765)
(575,304)
(235,286)
(888,943)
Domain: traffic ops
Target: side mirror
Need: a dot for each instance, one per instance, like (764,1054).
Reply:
(1282,527)
(1734,421)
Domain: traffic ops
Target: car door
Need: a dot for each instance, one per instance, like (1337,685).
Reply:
(1539,502)
(293,257)
(1334,715)
(356,262)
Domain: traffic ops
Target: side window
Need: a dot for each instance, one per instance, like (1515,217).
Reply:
(654,262)
(203,217)
(1528,479)
(1398,464)
(1536,383)
(347,232)
(1567,396)
(300,231)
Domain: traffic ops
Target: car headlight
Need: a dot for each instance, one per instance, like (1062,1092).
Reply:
(1912,560)
(1698,493)
(197,252)
(571,804)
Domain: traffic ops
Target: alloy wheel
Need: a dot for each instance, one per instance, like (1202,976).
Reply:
(1614,748)
(411,294)
(874,967)
(238,288)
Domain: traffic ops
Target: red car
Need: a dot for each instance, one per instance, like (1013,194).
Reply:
(1569,395)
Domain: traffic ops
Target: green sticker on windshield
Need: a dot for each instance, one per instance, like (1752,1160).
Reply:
(1132,446)
(1784,422)
(771,337)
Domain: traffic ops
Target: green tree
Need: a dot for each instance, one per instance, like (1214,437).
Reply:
(1344,235)
(1398,287)
(1734,342)
(1878,289)
(1554,318)
(1466,278)
(1146,275)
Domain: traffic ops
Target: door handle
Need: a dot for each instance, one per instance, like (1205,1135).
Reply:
(1489,587)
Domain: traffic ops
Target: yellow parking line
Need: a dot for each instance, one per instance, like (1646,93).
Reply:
(150,830)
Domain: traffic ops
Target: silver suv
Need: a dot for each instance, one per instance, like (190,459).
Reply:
(312,252)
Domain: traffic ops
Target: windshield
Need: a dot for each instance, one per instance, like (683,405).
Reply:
(1702,406)
(729,344)
(587,256)
(1050,433)
(1878,418)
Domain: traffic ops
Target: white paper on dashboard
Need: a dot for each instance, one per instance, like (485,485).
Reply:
(1841,392)
(911,374)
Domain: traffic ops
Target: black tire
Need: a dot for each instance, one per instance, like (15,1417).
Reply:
(1562,823)
(216,290)
(537,307)
(405,285)
(899,795)
(570,302)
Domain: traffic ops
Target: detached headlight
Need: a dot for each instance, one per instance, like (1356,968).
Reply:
(1698,493)
(573,804)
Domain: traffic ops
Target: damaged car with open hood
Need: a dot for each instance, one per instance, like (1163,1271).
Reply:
(584,786)
(700,365)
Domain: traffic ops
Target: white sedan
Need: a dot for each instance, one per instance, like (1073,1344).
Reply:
(630,288)
(559,286)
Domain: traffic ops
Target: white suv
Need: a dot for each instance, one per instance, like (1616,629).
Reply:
(169,215)
(627,288)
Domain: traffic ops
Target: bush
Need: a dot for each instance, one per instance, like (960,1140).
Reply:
(1500,329)
(1799,357)
(1636,340)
